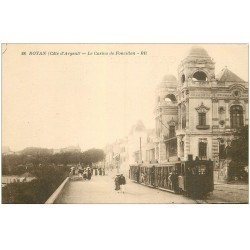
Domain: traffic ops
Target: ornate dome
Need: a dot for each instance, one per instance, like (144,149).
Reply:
(198,51)
(169,78)
(168,81)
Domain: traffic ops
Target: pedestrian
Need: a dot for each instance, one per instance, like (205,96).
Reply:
(122,183)
(117,182)
(80,171)
(137,174)
(70,174)
(152,176)
(170,177)
(175,181)
(89,174)
(142,177)
(76,171)
(85,173)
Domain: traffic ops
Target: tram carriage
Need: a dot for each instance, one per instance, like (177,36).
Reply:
(192,178)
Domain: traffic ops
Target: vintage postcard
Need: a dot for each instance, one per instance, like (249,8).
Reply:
(124,123)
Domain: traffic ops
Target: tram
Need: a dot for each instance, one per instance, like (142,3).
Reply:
(192,178)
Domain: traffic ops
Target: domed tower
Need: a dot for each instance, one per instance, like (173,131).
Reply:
(195,81)
(166,117)
(197,67)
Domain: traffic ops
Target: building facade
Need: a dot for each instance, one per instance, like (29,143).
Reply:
(197,113)
(138,146)
(116,156)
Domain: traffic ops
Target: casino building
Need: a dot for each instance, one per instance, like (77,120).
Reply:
(197,113)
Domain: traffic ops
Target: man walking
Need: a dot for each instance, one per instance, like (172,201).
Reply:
(117,182)
(122,183)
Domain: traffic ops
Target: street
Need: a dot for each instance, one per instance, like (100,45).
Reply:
(228,193)
(100,189)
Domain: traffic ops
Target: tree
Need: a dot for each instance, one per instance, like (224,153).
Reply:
(239,147)
(238,152)
(47,169)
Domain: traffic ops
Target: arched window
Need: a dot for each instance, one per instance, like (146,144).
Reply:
(199,76)
(170,98)
(236,116)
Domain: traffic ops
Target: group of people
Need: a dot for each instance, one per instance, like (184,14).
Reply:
(154,179)
(85,173)
(100,171)
(120,182)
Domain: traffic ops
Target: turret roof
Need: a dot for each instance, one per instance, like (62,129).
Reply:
(198,51)
(227,75)
(168,81)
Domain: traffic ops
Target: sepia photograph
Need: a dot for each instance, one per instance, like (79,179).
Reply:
(117,123)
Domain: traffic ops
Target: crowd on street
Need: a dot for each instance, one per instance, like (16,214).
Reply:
(84,173)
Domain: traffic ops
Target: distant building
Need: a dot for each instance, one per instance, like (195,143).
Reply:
(148,148)
(141,145)
(136,147)
(136,138)
(117,155)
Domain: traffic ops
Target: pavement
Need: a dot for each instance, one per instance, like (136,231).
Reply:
(100,189)
(229,193)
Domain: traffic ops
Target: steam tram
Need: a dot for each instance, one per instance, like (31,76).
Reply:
(191,178)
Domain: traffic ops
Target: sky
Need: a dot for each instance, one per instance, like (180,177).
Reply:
(54,100)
